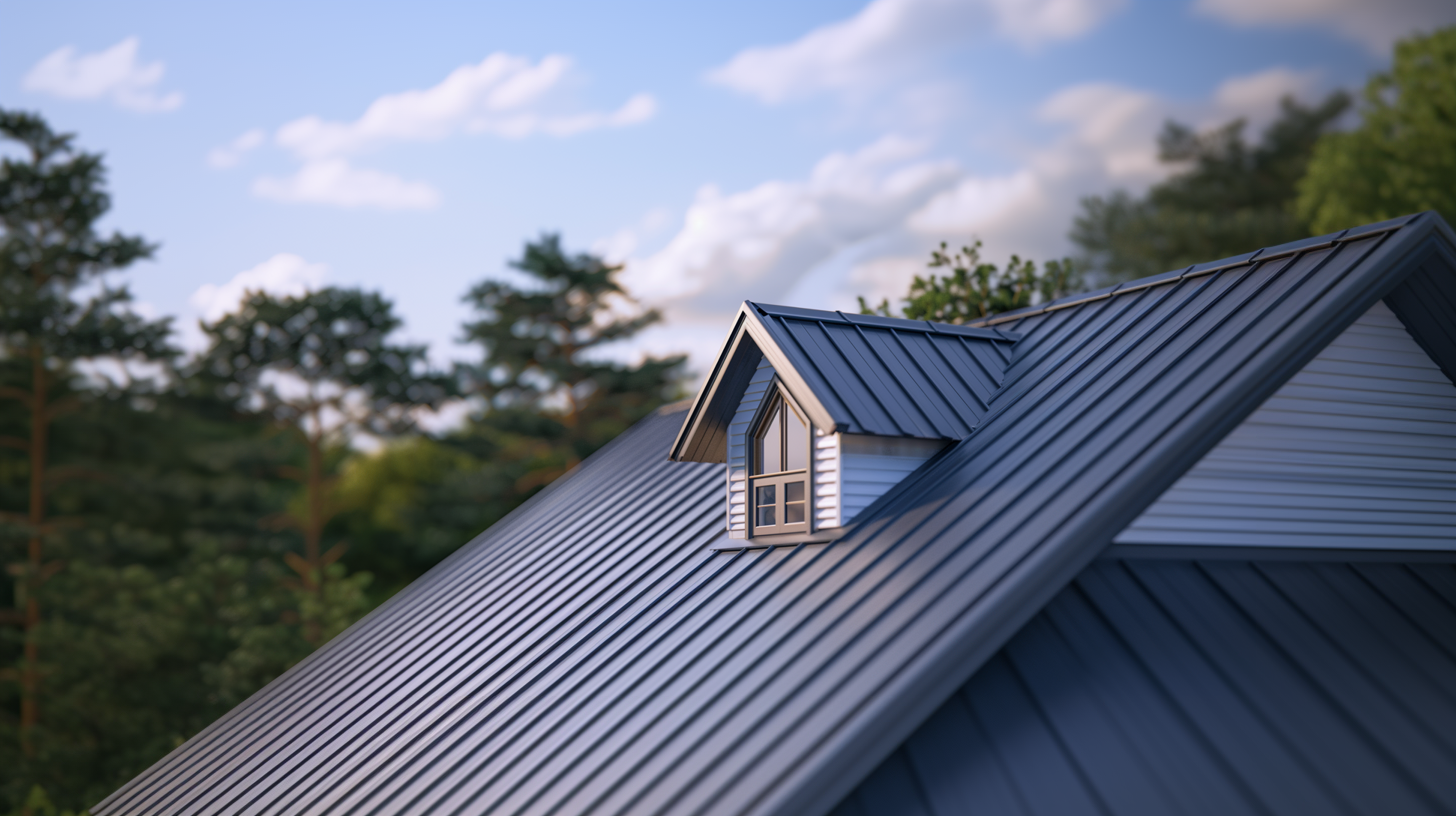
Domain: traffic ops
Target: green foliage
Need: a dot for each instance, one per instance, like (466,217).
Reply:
(50,201)
(541,376)
(37,803)
(1228,197)
(322,366)
(321,357)
(1402,157)
(408,505)
(975,289)
(173,604)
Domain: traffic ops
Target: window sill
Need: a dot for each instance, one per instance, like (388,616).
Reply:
(782,540)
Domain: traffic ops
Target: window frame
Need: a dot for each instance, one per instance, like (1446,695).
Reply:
(775,395)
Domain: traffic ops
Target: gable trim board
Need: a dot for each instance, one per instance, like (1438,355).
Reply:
(1357,450)
(589,654)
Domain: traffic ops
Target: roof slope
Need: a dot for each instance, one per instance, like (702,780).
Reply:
(860,374)
(1218,688)
(592,653)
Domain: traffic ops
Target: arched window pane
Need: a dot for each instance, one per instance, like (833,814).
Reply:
(796,453)
(768,447)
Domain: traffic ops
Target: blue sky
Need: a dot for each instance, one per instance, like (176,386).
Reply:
(794,153)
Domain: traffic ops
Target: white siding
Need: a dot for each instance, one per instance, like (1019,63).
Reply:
(871,465)
(737,452)
(1357,450)
(826,480)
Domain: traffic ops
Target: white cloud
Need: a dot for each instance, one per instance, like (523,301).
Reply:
(620,245)
(761,242)
(1375,25)
(1256,97)
(282,274)
(336,182)
(886,37)
(863,222)
(232,152)
(112,74)
(977,204)
(504,95)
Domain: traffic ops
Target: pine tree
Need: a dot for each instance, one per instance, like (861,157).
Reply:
(50,201)
(321,366)
(1228,196)
(551,397)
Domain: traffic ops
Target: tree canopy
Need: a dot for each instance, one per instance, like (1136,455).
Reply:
(543,373)
(1401,159)
(1227,196)
(976,289)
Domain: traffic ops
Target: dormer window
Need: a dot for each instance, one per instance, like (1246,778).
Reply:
(779,485)
(818,415)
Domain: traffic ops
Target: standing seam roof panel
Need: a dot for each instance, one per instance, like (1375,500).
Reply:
(1140,705)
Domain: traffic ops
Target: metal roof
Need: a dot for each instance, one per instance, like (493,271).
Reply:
(861,374)
(1219,688)
(594,653)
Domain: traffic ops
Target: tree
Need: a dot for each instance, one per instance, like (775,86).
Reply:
(1402,157)
(975,289)
(542,378)
(50,202)
(321,366)
(1228,197)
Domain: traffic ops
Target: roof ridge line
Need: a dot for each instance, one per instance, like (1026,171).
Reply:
(1191,272)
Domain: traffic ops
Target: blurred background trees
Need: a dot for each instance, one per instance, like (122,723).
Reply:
(179,532)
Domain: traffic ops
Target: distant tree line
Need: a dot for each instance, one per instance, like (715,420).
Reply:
(1226,195)
(179,530)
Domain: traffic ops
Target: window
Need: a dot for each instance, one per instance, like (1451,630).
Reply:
(778,487)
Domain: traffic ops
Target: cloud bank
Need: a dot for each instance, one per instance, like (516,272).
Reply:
(1375,25)
(888,37)
(503,95)
(113,74)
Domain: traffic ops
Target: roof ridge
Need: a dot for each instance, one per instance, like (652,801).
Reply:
(884,322)
(1197,270)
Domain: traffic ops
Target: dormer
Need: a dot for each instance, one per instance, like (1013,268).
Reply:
(818,414)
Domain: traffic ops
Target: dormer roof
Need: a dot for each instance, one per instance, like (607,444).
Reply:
(859,374)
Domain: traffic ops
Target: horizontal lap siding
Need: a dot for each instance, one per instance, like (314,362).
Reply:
(1357,450)
(826,472)
(869,467)
(737,450)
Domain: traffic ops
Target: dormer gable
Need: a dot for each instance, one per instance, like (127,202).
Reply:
(876,397)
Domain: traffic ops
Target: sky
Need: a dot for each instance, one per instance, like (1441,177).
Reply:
(793,153)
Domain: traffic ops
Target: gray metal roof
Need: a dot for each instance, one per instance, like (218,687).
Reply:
(861,374)
(1221,688)
(594,654)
